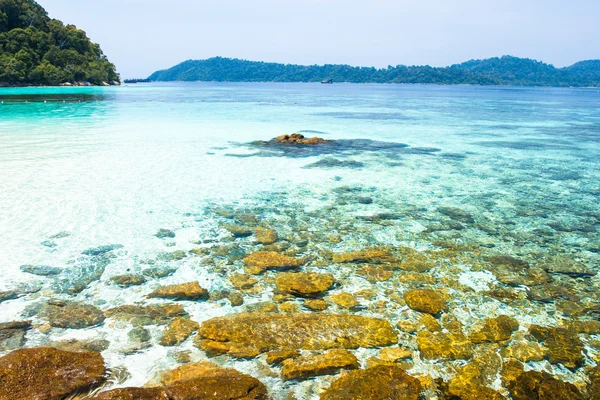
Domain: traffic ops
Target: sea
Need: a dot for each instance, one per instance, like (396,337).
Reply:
(487,184)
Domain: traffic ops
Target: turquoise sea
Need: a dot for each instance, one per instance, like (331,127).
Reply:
(494,186)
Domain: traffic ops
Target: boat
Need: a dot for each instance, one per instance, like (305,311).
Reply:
(327,81)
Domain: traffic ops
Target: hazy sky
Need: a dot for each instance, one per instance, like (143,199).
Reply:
(141,36)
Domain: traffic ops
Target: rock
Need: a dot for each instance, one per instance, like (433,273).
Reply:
(128,280)
(304,284)
(60,235)
(8,295)
(593,388)
(84,271)
(164,233)
(564,347)
(263,260)
(48,374)
(567,266)
(70,314)
(277,357)
(93,345)
(176,255)
(525,351)
(376,383)
(364,256)
(178,330)
(249,334)
(395,353)
(239,231)
(496,330)
(425,300)
(457,214)
(522,277)
(41,270)
(451,346)
(183,291)
(242,281)
(298,139)
(430,323)
(533,385)
(139,334)
(12,334)
(159,272)
(344,300)
(49,244)
(134,394)
(375,273)
(266,235)
(208,381)
(323,364)
(315,304)
(98,251)
(235,298)
(156,314)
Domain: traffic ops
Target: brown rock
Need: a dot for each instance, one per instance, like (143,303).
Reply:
(70,314)
(525,351)
(263,260)
(315,304)
(364,256)
(298,139)
(564,347)
(134,394)
(242,281)
(430,323)
(395,353)
(452,346)
(511,370)
(277,357)
(344,300)
(533,385)
(496,330)
(12,334)
(156,314)
(248,334)
(376,383)
(266,235)
(304,284)
(48,374)
(183,291)
(323,364)
(178,330)
(375,273)
(425,300)
(208,381)
(238,231)
(128,280)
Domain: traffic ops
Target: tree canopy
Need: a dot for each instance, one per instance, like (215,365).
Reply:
(38,50)
(505,70)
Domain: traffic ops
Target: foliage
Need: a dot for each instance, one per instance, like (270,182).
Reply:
(35,49)
(506,70)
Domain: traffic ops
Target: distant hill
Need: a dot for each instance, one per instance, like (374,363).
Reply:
(506,70)
(38,50)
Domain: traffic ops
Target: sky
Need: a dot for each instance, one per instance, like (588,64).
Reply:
(142,36)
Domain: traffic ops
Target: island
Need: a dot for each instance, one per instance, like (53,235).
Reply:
(506,70)
(38,50)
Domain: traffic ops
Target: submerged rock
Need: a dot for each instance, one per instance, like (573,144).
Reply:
(496,330)
(70,314)
(425,300)
(86,270)
(48,374)
(315,304)
(208,381)
(164,233)
(100,250)
(264,260)
(156,314)
(364,256)
(266,235)
(277,357)
(304,284)
(41,270)
(344,300)
(239,231)
(12,334)
(128,280)
(376,383)
(330,162)
(457,214)
(249,334)
(243,281)
(183,291)
(134,394)
(8,295)
(567,266)
(533,385)
(178,330)
(323,364)
(159,272)
(452,346)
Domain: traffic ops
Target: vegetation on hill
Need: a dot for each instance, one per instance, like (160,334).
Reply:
(506,70)
(38,50)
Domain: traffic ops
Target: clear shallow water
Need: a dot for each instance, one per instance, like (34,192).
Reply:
(114,165)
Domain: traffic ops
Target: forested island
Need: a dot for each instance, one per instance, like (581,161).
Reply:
(506,70)
(38,50)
